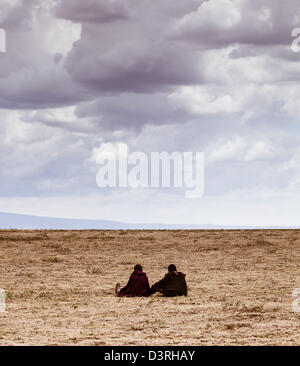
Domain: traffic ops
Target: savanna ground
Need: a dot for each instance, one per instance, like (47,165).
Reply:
(59,287)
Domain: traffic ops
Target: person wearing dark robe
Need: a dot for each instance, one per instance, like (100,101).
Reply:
(173,284)
(138,284)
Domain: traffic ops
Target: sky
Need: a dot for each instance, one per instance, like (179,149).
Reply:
(216,76)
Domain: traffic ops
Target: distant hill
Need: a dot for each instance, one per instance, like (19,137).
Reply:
(17,221)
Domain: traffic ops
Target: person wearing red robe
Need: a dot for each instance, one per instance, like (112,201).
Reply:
(138,284)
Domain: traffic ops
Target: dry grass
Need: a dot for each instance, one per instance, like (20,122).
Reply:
(60,284)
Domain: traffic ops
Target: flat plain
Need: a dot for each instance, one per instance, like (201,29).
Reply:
(59,287)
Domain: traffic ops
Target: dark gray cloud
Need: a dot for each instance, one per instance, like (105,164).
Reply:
(134,55)
(126,58)
(131,110)
(224,22)
(39,88)
(92,11)
(16,15)
(138,47)
(32,73)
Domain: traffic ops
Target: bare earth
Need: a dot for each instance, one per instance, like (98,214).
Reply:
(59,287)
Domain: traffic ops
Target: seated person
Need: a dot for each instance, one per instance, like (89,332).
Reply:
(173,284)
(138,284)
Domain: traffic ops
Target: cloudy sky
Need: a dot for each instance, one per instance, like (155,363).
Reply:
(216,76)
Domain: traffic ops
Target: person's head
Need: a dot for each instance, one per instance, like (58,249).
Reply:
(138,267)
(172,268)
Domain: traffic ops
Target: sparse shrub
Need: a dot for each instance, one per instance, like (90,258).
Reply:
(263,242)
(108,237)
(51,260)
(127,263)
(59,248)
(93,237)
(252,309)
(150,238)
(24,237)
(136,328)
(205,249)
(93,270)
